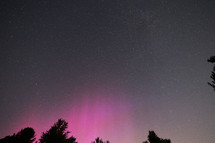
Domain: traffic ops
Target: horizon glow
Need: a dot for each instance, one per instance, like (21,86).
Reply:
(92,114)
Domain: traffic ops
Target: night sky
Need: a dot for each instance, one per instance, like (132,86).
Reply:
(111,68)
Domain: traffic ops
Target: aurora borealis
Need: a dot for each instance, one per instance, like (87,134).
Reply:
(111,68)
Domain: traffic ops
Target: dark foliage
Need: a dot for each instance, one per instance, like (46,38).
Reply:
(57,134)
(153,138)
(98,140)
(26,135)
(212,84)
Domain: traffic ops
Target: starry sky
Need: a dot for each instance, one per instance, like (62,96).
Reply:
(111,68)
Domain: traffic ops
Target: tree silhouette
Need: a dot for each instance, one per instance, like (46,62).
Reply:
(26,135)
(8,139)
(57,134)
(212,60)
(98,140)
(71,140)
(153,138)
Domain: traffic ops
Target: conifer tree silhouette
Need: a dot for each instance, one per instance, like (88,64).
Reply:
(153,138)
(57,134)
(212,84)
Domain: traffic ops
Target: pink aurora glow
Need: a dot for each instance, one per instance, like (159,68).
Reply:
(91,114)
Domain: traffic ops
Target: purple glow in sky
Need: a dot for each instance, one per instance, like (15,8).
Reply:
(111,68)
(93,113)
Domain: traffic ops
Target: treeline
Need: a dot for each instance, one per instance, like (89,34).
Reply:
(212,83)
(58,134)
